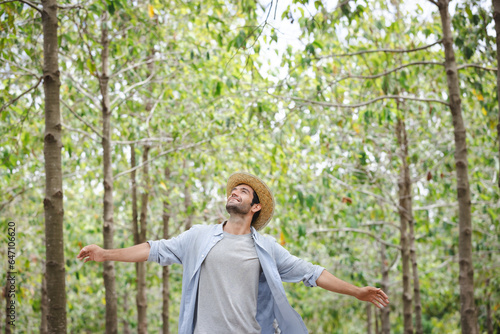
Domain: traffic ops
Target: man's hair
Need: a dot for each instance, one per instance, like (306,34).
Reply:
(255,200)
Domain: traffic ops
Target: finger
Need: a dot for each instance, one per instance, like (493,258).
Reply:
(383,294)
(81,253)
(383,300)
(86,260)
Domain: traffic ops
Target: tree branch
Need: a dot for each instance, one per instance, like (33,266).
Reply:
(434,2)
(380,223)
(380,198)
(135,65)
(5,106)
(143,140)
(362,104)
(444,204)
(81,119)
(379,50)
(477,66)
(82,90)
(348,229)
(153,108)
(79,6)
(160,155)
(29,3)
(17,65)
(145,81)
(7,202)
(375,76)
(86,134)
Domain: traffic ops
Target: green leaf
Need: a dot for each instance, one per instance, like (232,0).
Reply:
(111,7)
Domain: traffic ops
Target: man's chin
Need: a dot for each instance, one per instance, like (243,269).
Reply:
(234,208)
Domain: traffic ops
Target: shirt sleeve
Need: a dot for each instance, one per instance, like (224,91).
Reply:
(294,269)
(167,252)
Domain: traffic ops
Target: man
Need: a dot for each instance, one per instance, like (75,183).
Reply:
(232,275)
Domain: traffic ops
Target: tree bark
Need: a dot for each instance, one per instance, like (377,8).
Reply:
(468,317)
(416,281)
(188,202)
(133,186)
(108,228)
(142,305)
(385,312)
(44,329)
(405,242)
(136,230)
(135,225)
(53,201)
(489,318)
(406,214)
(369,321)
(126,328)
(496,17)
(166,269)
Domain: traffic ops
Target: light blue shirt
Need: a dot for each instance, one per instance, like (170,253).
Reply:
(191,248)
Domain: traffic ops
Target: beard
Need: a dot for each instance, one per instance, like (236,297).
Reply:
(237,208)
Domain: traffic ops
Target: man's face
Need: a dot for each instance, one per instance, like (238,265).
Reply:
(240,200)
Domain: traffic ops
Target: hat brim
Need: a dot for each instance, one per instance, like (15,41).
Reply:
(265,195)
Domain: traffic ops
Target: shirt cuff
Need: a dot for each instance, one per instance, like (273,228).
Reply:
(311,282)
(153,252)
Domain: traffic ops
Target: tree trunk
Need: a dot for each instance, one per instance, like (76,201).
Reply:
(53,201)
(489,320)
(108,228)
(188,202)
(44,329)
(166,269)
(369,321)
(496,17)
(385,312)
(416,281)
(466,277)
(136,231)
(405,242)
(126,328)
(133,185)
(141,266)
(406,213)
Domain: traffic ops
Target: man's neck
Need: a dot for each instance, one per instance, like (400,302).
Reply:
(238,225)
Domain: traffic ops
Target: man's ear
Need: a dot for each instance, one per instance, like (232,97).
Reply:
(256,207)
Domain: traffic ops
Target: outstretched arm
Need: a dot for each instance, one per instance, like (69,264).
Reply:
(137,253)
(368,294)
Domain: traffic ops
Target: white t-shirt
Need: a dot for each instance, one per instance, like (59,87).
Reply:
(228,288)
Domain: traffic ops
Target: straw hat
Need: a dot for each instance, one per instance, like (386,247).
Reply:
(265,195)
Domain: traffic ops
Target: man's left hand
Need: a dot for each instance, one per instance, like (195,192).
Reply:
(373,295)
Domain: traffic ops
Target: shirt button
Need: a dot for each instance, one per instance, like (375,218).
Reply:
(202,255)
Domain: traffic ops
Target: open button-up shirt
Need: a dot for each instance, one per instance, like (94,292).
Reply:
(190,249)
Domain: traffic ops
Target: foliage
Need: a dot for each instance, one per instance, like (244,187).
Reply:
(218,108)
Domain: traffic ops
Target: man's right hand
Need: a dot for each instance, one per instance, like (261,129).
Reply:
(91,253)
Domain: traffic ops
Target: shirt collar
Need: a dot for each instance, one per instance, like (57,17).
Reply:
(219,229)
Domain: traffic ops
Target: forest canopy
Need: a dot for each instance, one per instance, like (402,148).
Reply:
(375,123)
